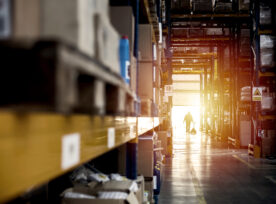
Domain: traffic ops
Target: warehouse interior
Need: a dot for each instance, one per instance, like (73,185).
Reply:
(96,96)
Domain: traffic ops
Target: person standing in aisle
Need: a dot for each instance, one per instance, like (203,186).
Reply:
(188,119)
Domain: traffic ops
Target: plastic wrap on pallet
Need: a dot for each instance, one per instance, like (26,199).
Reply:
(267,41)
(265,14)
(267,58)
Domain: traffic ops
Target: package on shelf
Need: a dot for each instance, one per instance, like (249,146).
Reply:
(245,131)
(181,5)
(268,101)
(223,7)
(265,14)
(68,20)
(5,18)
(245,46)
(268,143)
(267,58)
(145,107)
(145,156)
(214,31)
(148,195)
(179,32)
(202,5)
(123,24)
(267,41)
(244,5)
(154,109)
(145,81)
(145,41)
(89,195)
(196,33)
(245,33)
(107,49)
(163,136)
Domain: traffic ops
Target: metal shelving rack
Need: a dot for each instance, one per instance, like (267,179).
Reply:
(37,143)
(262,120)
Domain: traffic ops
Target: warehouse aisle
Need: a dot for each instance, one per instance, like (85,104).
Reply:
(205,172)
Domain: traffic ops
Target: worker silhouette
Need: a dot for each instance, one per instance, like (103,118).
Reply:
(188,119)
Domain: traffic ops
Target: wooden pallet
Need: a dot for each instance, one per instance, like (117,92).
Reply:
(52,76)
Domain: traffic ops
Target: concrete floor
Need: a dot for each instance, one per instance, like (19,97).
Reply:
(202,171)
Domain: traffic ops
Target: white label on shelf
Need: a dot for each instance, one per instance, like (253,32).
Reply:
(154,182)
(110,137)
(70,150)
(131,131)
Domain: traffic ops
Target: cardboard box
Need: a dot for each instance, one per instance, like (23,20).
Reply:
(145,81)
(145,107)
(140,193)
(244,5)
(107,49)
(163,136)
(122,186)
(69,20)
(245,132)
(268,145)
(148,191)
(145,41)
(123,24)
(131,199)
(145,157)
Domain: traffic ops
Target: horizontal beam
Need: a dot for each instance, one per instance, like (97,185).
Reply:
(196,64)
(183,82)
(33,145)
(185,91)
(210,16)
(187,72)
(177,40)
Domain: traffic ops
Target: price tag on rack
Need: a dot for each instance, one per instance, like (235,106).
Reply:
(111,137)
(70,150)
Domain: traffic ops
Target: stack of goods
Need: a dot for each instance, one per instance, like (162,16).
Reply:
(268,101)
(265,14)
(202,6)
(267,45)
(84,24)
(91,186)
(181,6)
(245,43)
(246,94)
(244,5)
(223,6)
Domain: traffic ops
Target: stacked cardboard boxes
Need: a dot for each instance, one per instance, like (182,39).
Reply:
(146,74)
(84,24)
